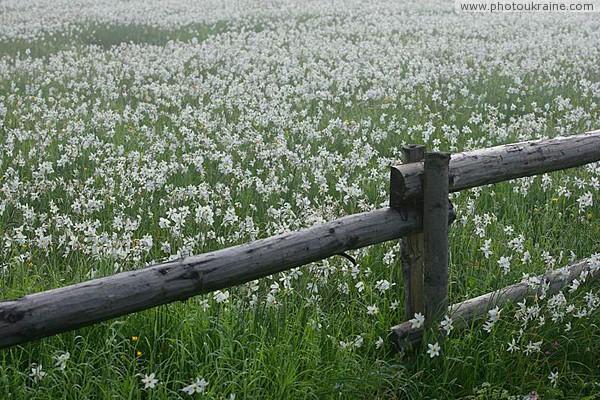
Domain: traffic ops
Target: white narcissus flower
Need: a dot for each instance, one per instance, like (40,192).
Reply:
(199,386)
(36,372)
(417,322)
(486,248)
(587,200)
(512,346)
(61,360)
(221,297)
(434,349)
(149,381)
(358,341)
(494,314)
(383,285)
(553,378)
(504,263)
(447,324)
(533,347)
(372,310)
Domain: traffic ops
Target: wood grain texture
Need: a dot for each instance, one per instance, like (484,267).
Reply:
(59,310)
(500,163)
(412,249)
(435,234)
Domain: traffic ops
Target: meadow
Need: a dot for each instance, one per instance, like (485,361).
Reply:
(133,132)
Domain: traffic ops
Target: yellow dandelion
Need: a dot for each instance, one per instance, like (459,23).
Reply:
(554,199)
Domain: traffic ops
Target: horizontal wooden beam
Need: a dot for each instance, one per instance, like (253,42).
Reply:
(60,310)
(463,314)
(500,163)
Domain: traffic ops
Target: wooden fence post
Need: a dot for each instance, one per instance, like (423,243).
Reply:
(435,235)
(413,249)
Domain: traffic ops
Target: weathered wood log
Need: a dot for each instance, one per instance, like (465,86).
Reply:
(435,234)
(59,310)
(465,313)
(500,163)
(412,249)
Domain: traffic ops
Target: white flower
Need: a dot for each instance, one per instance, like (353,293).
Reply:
(532,347)
(587,200)
(221,297)
(488,326)
(271,300)
(164,223)
(594,262)
(360,286)
(504,263)
(149,381)
(36,373)
(197,387)
(383,285)
(378,343)
(553,378)
(494,314)
(61,360)
(417,321)
(204,304)
(574,285)
(512,346)
(388,257)
(358,341)
(434,349)
(486,248)
(372,310)
(447,324)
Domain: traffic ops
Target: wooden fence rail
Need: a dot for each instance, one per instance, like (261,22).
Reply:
(500,163)
(59,310)
(464,313)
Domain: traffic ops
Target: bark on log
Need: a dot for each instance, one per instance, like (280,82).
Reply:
(435,234)
(412,249)
(463,314)
(500,163)
(60,310)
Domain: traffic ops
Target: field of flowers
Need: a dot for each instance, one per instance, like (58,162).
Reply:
(133,132)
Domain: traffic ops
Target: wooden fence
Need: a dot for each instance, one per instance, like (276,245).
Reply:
(419,211)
